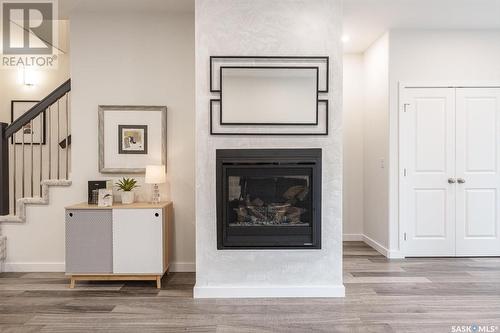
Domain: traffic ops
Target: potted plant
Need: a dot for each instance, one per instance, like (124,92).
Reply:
(127,185)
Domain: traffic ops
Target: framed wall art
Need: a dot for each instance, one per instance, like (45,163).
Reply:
(131,137)
(33,132)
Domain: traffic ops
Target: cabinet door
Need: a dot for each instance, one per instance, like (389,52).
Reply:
(88,241)
(137,241)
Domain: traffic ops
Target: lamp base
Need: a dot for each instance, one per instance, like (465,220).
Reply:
(156,194)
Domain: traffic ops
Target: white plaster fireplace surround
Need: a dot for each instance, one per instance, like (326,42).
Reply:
(256,28)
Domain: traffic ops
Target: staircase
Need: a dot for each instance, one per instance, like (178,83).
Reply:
(31,162)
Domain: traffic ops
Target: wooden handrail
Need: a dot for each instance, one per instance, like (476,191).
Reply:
(40,107)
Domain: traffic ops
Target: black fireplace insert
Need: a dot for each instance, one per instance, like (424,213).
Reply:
(269,199)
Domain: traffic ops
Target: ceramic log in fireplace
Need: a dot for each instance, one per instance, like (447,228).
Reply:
(269,199)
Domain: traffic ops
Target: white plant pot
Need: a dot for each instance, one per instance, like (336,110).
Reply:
(127,197)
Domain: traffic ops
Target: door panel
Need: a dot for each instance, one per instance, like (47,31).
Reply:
(478,158)
(480,213)
(430,205)
(88,241)
(137,241)
(427,199)
(478,133)
(430,134)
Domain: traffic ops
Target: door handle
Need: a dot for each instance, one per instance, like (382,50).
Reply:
(461,181)
(452,180)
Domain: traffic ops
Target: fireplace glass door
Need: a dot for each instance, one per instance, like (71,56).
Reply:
(262,197)
(269,199)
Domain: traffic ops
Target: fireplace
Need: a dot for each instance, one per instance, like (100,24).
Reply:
(269,199)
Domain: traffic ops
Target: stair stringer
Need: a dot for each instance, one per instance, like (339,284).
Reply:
(21,203)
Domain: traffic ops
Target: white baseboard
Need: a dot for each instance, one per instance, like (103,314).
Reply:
(60,267)
(376,245)
(391,254)
(395,255)
(33,266)
(183,267)
(269,291)
(352,237)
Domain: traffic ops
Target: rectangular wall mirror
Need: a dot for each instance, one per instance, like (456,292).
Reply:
(269,95)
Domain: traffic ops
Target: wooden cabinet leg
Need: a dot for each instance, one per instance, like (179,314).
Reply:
(158,282)
(72,283)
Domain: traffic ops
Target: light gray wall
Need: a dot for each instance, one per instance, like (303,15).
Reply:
(353,128)
(434,56)
(24,251)
(122,58)
(261,27)
(376,143)
(411,56)
(139,59)
(12,87)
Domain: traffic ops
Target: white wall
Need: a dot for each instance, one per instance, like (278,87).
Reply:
(261,27)
(376,142)
(353,129)
(129,59)
(27,244)
(11,86)
(435,56)
(409,56)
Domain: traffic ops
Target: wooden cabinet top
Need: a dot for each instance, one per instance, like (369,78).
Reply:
(135,205)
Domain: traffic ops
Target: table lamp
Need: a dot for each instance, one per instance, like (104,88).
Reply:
(155,174)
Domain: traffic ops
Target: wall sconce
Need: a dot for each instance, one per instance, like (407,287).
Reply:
(29,77)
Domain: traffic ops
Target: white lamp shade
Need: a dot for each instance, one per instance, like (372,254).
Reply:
(155,174)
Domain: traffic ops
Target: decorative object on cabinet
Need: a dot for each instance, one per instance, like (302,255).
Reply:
(105,198)
(269,95)
(125,144)
(127,185)
(32,133)
(155,174)
(120,242)
(93,189)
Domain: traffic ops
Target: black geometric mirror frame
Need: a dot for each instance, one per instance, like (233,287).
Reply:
(273,61)
(321,63)
(240,131)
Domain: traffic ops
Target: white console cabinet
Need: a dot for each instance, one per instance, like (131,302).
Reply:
(121,242)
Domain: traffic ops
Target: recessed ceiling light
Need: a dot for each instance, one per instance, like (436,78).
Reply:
(345,38)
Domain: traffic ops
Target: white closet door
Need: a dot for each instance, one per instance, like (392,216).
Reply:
(478,161)
(428,159)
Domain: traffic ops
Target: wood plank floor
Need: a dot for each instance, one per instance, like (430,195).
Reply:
(411,295)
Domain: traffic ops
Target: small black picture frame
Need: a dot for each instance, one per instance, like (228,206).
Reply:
(95,185)
(124,150)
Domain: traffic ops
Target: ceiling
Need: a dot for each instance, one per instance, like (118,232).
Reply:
(366,20)
(135,6)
